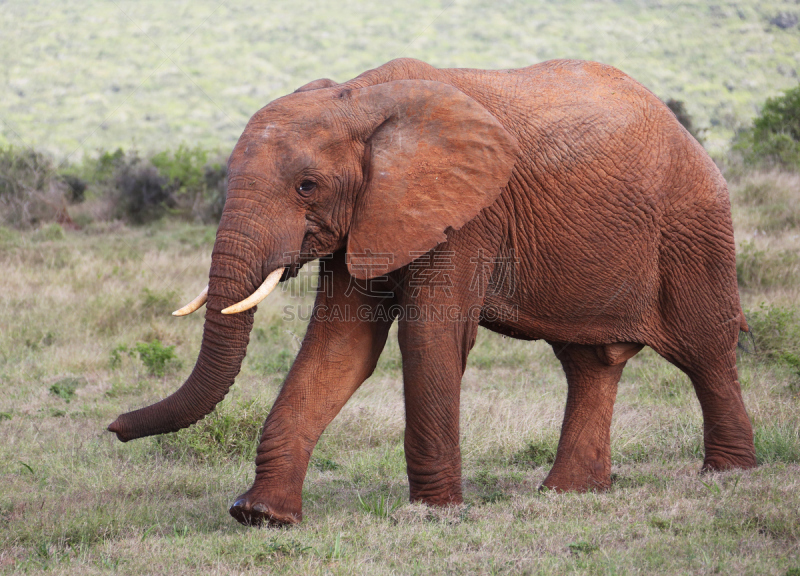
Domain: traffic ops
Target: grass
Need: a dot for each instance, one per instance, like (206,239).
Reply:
(767,201)
(86,331)
(99,75)
(75,500)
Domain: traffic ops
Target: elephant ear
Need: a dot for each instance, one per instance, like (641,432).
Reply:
(434,158)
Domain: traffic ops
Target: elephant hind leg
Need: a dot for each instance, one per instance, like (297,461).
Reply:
(727,432)
(698,330)
(702,343)
(583,459)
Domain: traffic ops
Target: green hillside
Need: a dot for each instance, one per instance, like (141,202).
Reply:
(152,74)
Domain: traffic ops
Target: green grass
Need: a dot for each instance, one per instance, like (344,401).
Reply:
(75,500)
(99,75)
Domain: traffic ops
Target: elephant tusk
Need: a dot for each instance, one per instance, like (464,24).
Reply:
(194,304)
(263,291)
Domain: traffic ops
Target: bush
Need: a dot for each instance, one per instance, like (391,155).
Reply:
(30,191)
(774,138)
(200,186)
(182,183)
(679,109)
(76,187)
(66,387)
(184,168)
(776,331)
(156,357)
(142,193)
(536,453)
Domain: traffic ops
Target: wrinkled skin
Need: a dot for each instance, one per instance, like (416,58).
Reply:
(561,202)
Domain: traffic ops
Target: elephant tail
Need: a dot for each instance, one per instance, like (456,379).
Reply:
(743,327)
(745,336)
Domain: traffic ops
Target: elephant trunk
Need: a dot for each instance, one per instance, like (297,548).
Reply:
(225,339)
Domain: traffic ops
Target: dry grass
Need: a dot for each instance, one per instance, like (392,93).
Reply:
(767,201)
(74,500)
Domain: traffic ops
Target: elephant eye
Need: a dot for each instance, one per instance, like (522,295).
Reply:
(306,187)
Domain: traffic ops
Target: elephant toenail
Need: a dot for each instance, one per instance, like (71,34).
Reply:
(240,503)
(260,508)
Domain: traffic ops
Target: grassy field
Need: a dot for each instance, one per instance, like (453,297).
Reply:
(95,74)
(76,305)
(86,331)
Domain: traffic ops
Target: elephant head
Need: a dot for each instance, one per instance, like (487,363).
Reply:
(380,170)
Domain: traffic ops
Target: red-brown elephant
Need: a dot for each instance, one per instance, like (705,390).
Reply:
(561,202)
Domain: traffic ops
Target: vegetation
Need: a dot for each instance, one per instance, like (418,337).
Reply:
(30,190)
(101,237)
(187,183)
(156,357)
(146,73)
(678,108)
(74,499)
(778,330)
(774,138)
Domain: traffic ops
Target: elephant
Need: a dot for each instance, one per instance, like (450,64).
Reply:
(561,202)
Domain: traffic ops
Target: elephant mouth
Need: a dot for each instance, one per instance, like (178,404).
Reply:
(291,271)
(294,263)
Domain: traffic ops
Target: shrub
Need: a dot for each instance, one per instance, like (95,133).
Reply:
(156,357)
(183,183)
(679,109)
(142,194)
(66,387)
(76,188)
(774,138)
(200,186)
(184,168)
(536,454)
(784,20)
(776,331)
(30,192)
(106,164)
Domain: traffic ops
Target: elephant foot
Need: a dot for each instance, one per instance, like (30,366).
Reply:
(442,501)
(442,492)
(252,512)
(576,482)
(717,462)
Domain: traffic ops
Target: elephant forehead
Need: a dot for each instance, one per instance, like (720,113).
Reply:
(298,112)
(293,135)
(279,141)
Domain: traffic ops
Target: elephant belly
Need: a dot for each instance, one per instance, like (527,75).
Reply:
(589,303)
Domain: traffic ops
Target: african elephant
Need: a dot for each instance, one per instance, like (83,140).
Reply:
(562,202)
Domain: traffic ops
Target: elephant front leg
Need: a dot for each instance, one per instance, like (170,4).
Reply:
(339,352)
(434,357)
